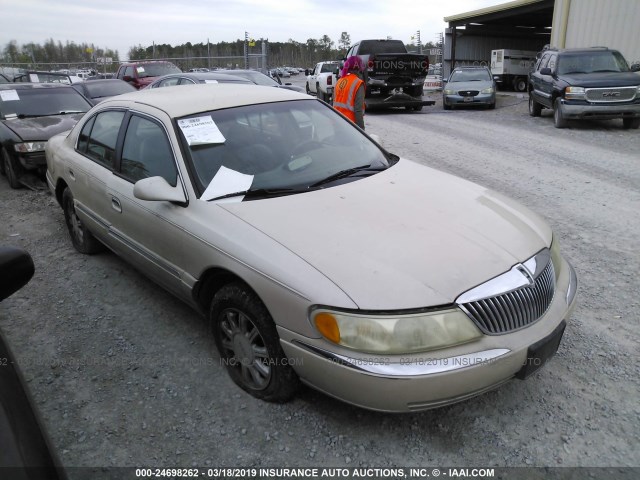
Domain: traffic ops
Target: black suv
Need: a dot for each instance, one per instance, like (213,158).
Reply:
(588,83)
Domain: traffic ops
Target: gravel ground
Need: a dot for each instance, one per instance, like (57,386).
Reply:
(126,375)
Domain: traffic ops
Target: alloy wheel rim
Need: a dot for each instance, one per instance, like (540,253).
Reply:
(245,348)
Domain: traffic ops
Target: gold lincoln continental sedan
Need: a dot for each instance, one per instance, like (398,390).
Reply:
(316,255)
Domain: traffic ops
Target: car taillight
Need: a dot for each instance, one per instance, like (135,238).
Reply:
(329,80)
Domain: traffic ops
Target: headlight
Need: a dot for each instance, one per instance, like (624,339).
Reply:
(556,258)
(487,90)
(574,93)
(396,334)
(29,147)
(449,92)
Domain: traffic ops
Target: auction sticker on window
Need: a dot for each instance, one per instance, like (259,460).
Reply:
(200,131)
(9,95)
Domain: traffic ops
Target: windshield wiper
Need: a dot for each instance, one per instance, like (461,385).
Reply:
(68,112)
(261,192)
(347,173)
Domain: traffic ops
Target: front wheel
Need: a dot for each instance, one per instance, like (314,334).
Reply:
(11,169)
(633,123)
(306,87)
(81,238)
(249,345)
(559,120)
(535,109)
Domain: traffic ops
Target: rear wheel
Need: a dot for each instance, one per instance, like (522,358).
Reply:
(306,87)
(633,123)
(249,345)
(559,120)
(519,84)
(81,238)
(535,109)
(12,170)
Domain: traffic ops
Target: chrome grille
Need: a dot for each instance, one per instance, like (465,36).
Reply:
(514,309)
(613,94)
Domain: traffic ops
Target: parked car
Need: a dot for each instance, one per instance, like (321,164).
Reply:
(433,80)
(588,83)
(259,78)
(141,74)
(469,86)
(97,91)
(29,115)
(315,254)
(191,78)
(26,449)
(101,76)
(34,76)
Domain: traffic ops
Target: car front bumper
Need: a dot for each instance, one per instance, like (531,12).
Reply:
(480,99)
(413,382)
(584,110)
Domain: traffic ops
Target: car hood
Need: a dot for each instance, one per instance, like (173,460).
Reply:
(408,237)
(602,79)
(468,85)
(42,128)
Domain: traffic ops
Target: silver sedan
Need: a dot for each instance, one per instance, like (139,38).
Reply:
(316,255)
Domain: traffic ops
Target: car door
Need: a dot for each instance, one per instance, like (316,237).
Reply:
(542,85)
(147,231)
(88,171)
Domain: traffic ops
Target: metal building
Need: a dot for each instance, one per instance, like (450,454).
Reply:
(532,24)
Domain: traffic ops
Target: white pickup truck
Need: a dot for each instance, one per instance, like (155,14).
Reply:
(322,79)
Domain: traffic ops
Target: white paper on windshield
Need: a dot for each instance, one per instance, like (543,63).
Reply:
(211,81)
(9,95)
(201,131)
(227,181)
(33,78)
(140,69)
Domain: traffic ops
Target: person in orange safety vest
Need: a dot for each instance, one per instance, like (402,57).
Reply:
(348,95)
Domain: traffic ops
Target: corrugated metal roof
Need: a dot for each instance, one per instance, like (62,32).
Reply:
(489,10)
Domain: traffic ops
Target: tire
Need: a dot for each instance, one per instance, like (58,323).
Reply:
(320,94)
(535,109)
(12,170)
(519,84)
(417,108)
(633,123)
(81,238)
(445,106)
(249,346)
(492,106)
(306,87)
(558,119)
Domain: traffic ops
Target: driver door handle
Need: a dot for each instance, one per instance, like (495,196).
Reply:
(115,204)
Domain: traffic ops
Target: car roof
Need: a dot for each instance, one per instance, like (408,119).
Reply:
(188,99)
(204,76)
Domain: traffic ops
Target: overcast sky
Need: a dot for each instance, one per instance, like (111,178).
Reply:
(121,24)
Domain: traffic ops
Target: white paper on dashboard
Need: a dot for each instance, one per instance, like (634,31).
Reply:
(211,81)
(33,78)
(9,95)
(201,130)
(227,181)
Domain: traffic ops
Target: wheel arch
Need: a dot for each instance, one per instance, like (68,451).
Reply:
(211,281)
(60,187)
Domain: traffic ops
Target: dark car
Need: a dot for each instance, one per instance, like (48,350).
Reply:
(30,114)
(97,91)
(141,74)
(191,78)
(261,79)
(588,83)
(26,449)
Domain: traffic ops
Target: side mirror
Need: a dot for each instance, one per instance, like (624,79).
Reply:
(545,71)
(16,269)
(635,67)
(307,72)
(156,189)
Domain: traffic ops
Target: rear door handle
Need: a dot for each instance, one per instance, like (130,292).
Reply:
(115,204)
(72,175)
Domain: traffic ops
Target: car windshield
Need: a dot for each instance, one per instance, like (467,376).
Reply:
(40,102)
(156,69)
(328,67)
(44,77)
(604,61)
(285,145)
(255,77)
(471,75)
(107,89)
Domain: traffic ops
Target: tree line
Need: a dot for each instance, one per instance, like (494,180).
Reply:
(291,52)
